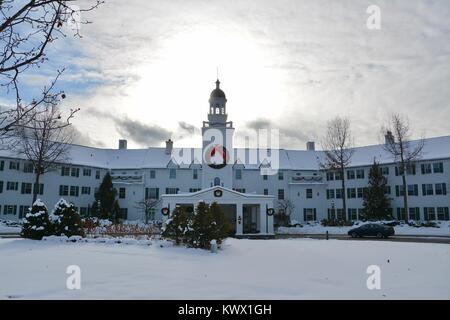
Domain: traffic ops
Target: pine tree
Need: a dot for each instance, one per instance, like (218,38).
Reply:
(66,219)
(375,201)
(36,224)
(177,228)
(106,205)
(209,223)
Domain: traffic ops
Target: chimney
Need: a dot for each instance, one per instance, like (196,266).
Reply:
(310,146)
(388,137)
(122,144)
(169,146)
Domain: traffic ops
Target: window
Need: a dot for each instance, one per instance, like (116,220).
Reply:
(338,176)
(83,211)
(28,167)
(438,167)
(385,171)
(330,176)
(74,191)
(280,194)
(266,192)
(12,185)
(191,190)
(360,174)
(280,175)
(152,174)
(85,190)
(63,190)
(351,174)
(26,188)
(195,174)
(429,213)
(399,192)
(75,172)
(387,189)
(410,170)
(401,213)
(427,189)
(97,174)
(10,209)
(338,193)
(425,168)
(309,193)
(152,193)
(360,192)
(172,190)
(352,214)
(2,165)
(216,181)
(172,173)
(441,188)
(23,210)
(351,193)
(309,214)
(87,172)
(264,176)
(124,213)
(241,190)
(65,171)
(122,193)
(442,213)
(238,174)
(340,213)
(330,193)
(413,190)
(39,189)
(1,186)
(414,213)
(14,165)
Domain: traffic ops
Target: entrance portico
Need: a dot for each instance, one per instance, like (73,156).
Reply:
(249,213)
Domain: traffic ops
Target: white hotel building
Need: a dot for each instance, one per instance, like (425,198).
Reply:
(239,186)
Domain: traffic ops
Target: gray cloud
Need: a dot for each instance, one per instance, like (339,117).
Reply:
(189,128)
(139,132)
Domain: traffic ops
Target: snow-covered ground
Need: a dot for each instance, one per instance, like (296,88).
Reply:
(443,230)
(243,269)
(5,227)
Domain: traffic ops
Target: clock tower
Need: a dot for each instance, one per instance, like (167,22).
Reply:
(217,152)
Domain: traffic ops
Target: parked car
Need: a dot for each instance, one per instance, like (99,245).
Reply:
(372,230)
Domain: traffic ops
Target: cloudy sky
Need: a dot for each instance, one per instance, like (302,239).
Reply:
(144,69)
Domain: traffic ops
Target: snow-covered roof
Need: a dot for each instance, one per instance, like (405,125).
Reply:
(435,148)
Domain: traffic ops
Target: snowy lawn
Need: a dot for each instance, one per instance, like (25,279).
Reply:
(244,269)
(443,230)
(9,227)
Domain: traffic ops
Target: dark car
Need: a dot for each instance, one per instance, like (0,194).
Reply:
(372,230)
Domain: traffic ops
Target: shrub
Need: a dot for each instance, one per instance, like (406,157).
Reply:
(66,220)
(336,223)
(178,227)
(36,223)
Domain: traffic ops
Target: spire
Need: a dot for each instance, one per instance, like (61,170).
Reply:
(217,84)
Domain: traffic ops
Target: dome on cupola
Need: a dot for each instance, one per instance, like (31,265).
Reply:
(217,92)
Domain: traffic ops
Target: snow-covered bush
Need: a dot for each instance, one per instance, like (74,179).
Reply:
(199,229)
(178,227)
(66,220)
(36,223)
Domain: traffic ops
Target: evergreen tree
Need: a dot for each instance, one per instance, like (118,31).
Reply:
(36,223)
(66,219)
(106,205)
(209,223)
(375,201)
(178,227)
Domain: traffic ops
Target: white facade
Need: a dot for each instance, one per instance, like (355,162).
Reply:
(154,172)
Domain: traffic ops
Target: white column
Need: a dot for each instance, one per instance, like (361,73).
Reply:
(239,229)
(263,218)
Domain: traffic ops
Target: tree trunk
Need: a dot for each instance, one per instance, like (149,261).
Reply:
(405,194)
(344,194)
(36,186)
